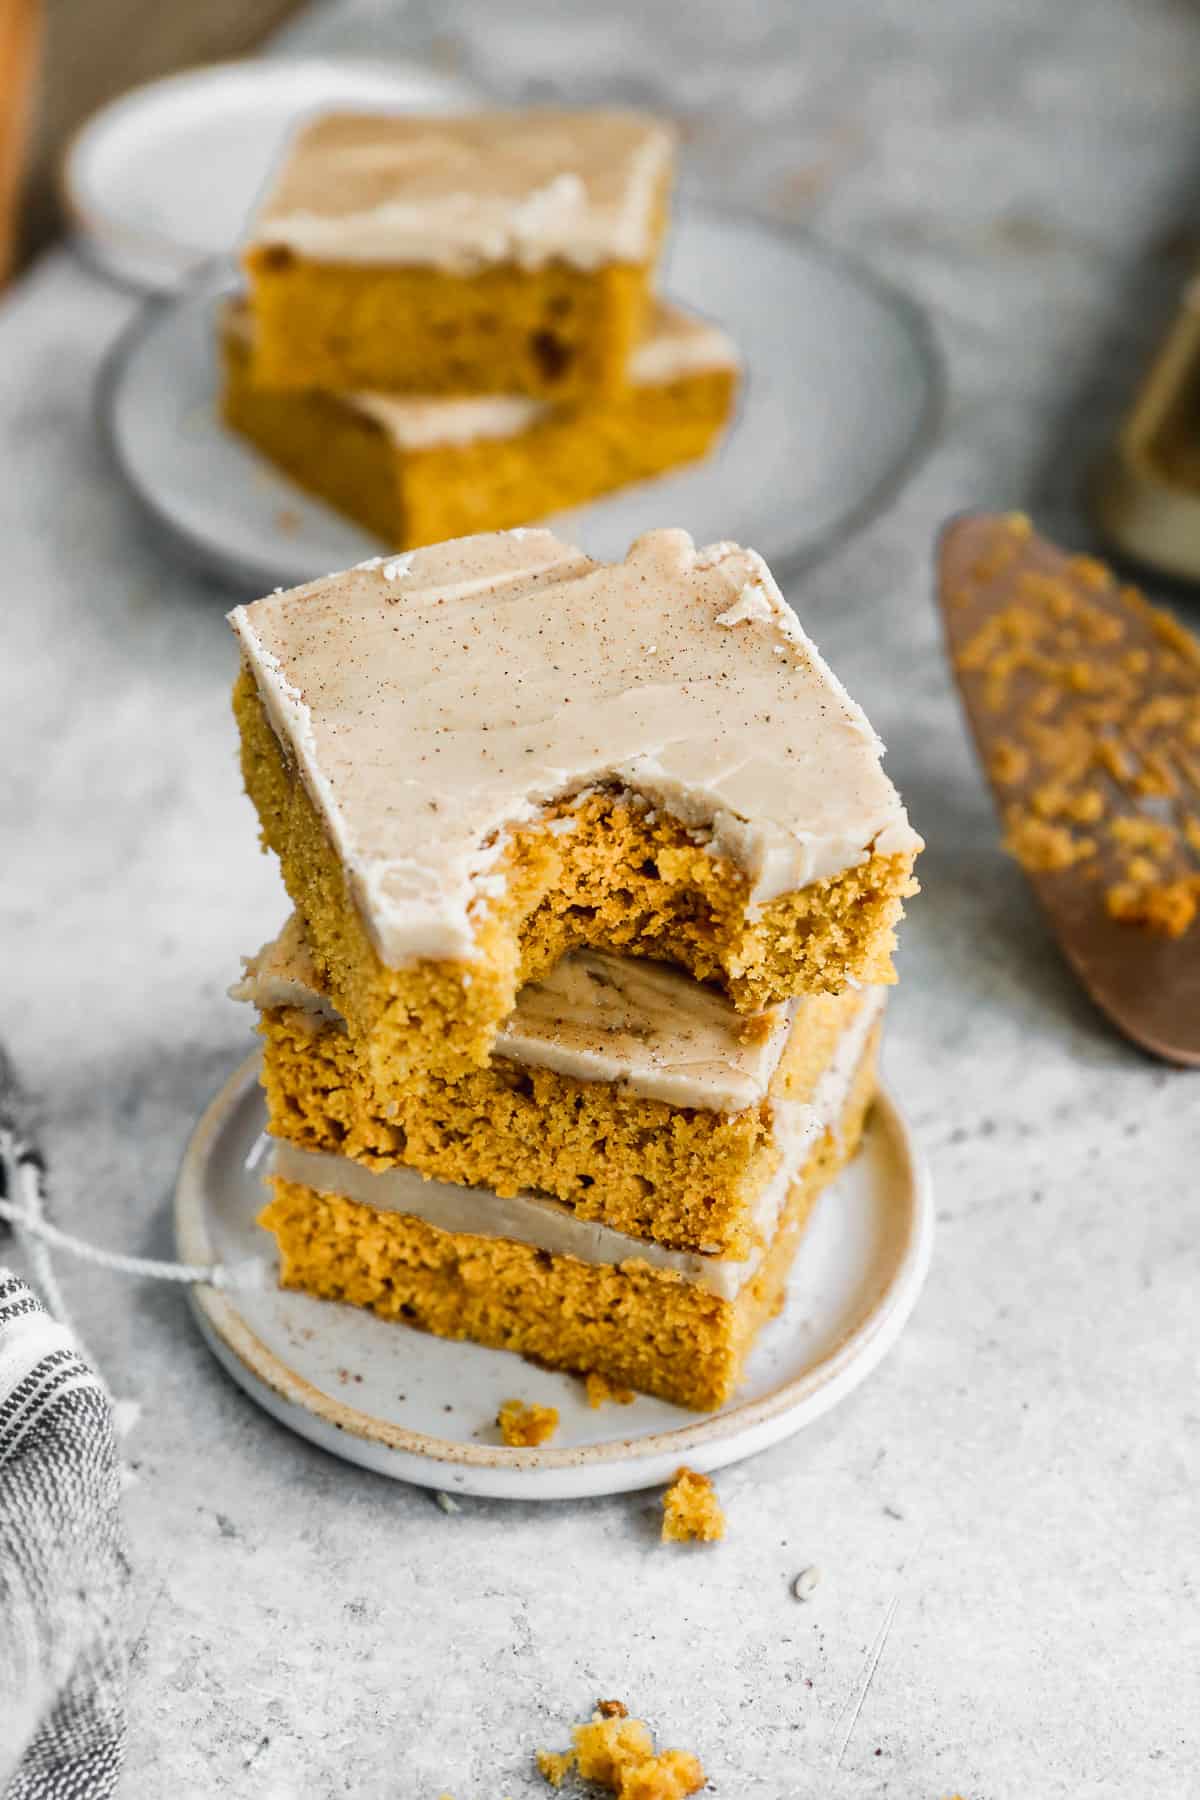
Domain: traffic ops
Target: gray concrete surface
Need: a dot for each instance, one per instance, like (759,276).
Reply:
(1006,1517)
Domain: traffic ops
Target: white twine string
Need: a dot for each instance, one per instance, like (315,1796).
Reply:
(27,1216)
(24,1172)
(26,1213)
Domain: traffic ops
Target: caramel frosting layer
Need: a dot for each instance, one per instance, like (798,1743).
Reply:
(552,1226)
(283,973)
(594,1017)
(679,344)
(466,191)
(648,1026)
(435,699)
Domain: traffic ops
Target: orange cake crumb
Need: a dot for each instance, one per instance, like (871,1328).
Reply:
(522,1425)
(691,1511)
(617,1752)
(1097,697)
(1169,906)
(668,1776)
(1041,846)
(1009,762)
(600,1390)
(555,1765)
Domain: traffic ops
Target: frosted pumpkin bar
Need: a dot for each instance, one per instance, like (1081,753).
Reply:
(473,758)
(418,469)
(530,1273)
(618,1086)
(493,252)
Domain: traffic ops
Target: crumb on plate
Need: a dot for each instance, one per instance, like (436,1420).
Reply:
(522,1425)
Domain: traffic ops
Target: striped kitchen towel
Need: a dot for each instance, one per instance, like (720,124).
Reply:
(63,1566)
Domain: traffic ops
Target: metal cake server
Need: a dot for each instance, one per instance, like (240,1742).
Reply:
(1012,607)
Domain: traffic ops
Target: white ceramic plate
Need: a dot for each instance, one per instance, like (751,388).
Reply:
(161,181)
(422,1410)
(842,396)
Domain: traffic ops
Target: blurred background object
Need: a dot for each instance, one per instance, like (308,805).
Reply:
(1145,495)
(95,49)
(20,22)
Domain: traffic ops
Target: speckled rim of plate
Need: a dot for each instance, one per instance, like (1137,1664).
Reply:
(723,1437)
(788,559)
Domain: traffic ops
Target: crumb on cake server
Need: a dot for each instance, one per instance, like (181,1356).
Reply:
(618,1086)
(473,758)
(420,469)
(528,1274)
(496,252)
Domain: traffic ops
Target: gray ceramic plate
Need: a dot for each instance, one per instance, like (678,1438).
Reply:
(841,399)
(423,1410)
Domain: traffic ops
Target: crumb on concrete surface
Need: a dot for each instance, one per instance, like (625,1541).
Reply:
(617,1753)
(600,1389)
(555,1765)
(670,1775)
(691,1511)
(522,1425)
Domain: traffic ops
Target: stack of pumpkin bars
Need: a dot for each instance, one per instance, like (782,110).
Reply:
(451,324)
(595,871)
